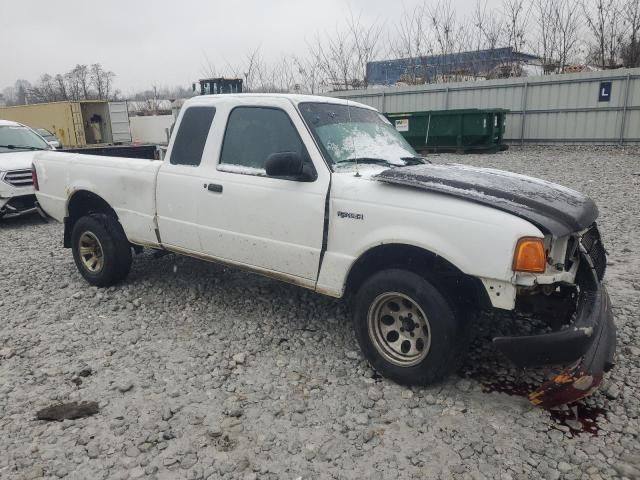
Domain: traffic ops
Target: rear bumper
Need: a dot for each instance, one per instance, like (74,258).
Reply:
(588,345)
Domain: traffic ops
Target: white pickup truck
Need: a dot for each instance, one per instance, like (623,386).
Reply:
(325,194)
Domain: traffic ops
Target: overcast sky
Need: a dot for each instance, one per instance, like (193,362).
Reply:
(167,43)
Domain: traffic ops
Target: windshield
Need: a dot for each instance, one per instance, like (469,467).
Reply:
(16,137)
(347,134)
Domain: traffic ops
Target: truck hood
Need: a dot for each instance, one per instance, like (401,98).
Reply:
(552,208)
(16,160)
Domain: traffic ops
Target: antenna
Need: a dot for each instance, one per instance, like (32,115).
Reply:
(354,142)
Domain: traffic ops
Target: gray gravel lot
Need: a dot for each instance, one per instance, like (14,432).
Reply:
(204,372)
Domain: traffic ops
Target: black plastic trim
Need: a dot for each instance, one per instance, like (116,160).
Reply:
(591,338)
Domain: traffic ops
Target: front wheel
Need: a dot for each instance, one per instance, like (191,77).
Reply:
(101,250)
(407,329)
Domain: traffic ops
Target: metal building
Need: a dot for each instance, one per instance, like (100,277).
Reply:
(434,67)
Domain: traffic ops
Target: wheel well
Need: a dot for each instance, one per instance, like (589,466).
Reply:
(84,203)
(455,284)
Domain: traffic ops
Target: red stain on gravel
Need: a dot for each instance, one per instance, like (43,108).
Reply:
(578,417)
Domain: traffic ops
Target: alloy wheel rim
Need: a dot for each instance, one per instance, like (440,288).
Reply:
(399,329)
(91,253)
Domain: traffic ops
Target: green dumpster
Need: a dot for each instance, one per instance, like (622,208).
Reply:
(452,130)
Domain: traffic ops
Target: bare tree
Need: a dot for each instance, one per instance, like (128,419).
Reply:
(449,38)
(80,83)
(631,49)
(61,86)
(486,31)
(101,79)
(308,73)
(547,39)
(9,96)
(336,58)
(74,89)
(44,91)
(516,15)
(412,43)
(568,19)
(487,27)
(81,76)
(109,92)
(253,70)
(365,40)
(282,78)
(603,19)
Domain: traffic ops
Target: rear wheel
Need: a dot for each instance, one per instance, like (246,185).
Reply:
(101,250)
(407,329)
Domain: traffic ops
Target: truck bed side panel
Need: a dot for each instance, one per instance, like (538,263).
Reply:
(126,184)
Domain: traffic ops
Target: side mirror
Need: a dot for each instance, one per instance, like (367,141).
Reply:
(285,164)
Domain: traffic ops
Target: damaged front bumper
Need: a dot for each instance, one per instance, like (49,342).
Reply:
(588,345)
(17,206)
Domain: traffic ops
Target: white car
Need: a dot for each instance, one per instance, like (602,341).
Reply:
(17,145)
(325,194)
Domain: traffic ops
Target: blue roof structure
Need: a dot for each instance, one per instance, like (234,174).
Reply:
(473,63)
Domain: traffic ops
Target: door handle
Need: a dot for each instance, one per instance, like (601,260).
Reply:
(214,187)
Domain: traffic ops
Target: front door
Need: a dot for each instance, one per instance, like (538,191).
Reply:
(248,218)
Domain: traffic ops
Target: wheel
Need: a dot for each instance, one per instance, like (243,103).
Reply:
(101,250)
(407,329)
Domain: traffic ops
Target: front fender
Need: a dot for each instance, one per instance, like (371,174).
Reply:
(478,240)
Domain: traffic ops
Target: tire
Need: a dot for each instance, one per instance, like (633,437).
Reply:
(430,322)
(101,250)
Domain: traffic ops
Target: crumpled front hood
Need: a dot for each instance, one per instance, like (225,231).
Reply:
(16,160)
(553,208)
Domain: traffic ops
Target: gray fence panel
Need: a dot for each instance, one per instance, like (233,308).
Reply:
(556,108)
(632,126)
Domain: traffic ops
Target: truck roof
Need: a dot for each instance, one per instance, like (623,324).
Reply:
(294,98)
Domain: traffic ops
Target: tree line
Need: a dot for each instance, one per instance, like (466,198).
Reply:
(83,82)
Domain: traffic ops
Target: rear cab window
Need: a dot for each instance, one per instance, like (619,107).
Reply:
(192,135)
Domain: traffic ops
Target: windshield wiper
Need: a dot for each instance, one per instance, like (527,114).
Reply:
(382,161)
(21,147)
(415,160)
(369,160)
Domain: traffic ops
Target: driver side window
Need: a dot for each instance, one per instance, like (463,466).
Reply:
(254,133)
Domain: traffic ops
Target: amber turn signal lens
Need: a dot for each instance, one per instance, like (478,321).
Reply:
(530,256)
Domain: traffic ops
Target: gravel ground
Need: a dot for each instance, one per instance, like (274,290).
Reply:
(204,372)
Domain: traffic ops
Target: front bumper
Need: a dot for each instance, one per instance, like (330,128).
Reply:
(17,206)
(588,345)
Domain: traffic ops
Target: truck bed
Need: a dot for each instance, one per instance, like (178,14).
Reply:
(126,184)
(145,152)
